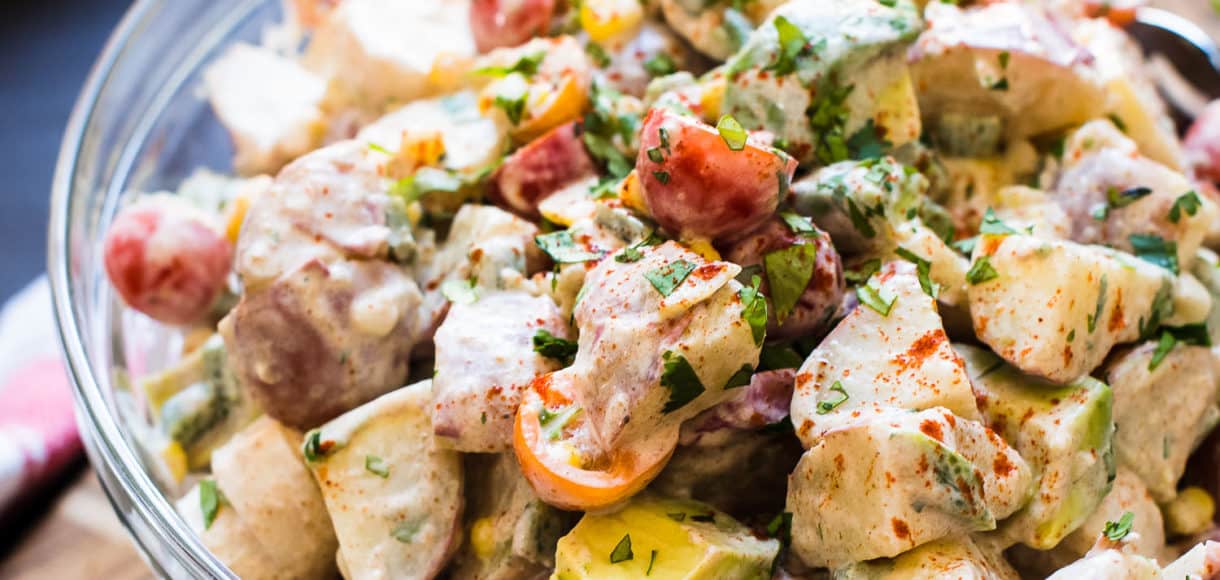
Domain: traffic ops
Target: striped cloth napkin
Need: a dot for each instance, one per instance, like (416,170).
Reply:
(38,436)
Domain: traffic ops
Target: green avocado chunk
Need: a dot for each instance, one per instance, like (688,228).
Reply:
(664,539)
(816,71)
(1064,432)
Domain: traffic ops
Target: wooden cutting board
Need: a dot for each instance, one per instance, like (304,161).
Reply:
(82,538)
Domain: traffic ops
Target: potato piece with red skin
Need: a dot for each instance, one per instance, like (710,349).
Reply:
(545,165)
(167,259)
(824,292)
(1202,143)
(501,23)
(701,188)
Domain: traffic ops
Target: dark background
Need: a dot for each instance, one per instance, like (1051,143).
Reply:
(46,50)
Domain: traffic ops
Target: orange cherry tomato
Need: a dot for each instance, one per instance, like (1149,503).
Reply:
(557,481)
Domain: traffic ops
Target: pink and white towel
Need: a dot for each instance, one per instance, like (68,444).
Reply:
(38,435)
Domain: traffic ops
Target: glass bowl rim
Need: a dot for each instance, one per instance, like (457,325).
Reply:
(100,430)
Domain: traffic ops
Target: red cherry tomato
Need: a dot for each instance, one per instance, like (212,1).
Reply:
(500,23)
(542,167)
(165,260)
(1202,143)
(697,186)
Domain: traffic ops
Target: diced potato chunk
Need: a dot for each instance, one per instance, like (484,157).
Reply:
(896,481)
(1162,414)
(270,104)
(1008,59)
(1112,194)
(959,557)
(1131,94)
(271,522)
(1127,494)
(380,51)
(394,496)
(873,363)
(1055,308)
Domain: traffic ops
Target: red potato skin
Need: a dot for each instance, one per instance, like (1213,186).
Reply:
(703,189)
(501,23)
(823,295)
(1202,143)
(539,169)
(165,261)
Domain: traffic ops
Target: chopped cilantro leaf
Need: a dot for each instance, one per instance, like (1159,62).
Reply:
(622,550)
(1092,319)
(864,272)
(924,270)
(981,271)
(1155,250)
(210,500)
(377,466)
(792,42)
(632,253)
(867,142)
(405,531)
(799,224)
(872,297)
(554,347)
(1118,122)
(526,65)
(733,134)
(652,559)
(660,64)
(1004,57)
(667,278)
(754,309)
(680,378)
(1115,531)
(966,245)
(314,449)
(513,107)
(598,54)
(655,155)
(1163,346)
(992,225)
(552,423)
(827,405)
(662,176)
(563,249)
(740,378)
(379,148)
(788,274)
(1120,199)
(1188,202)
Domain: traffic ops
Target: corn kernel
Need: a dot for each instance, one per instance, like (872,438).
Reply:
(235,216)
(574,458)
(609,21)
(704,248)
(712,97)
(482,538)
(1189,513)
(632,194)
(175,460)
(550,107)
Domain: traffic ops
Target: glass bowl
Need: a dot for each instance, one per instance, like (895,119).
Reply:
(140,124)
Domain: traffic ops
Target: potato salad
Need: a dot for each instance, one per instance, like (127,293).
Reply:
(688,289)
